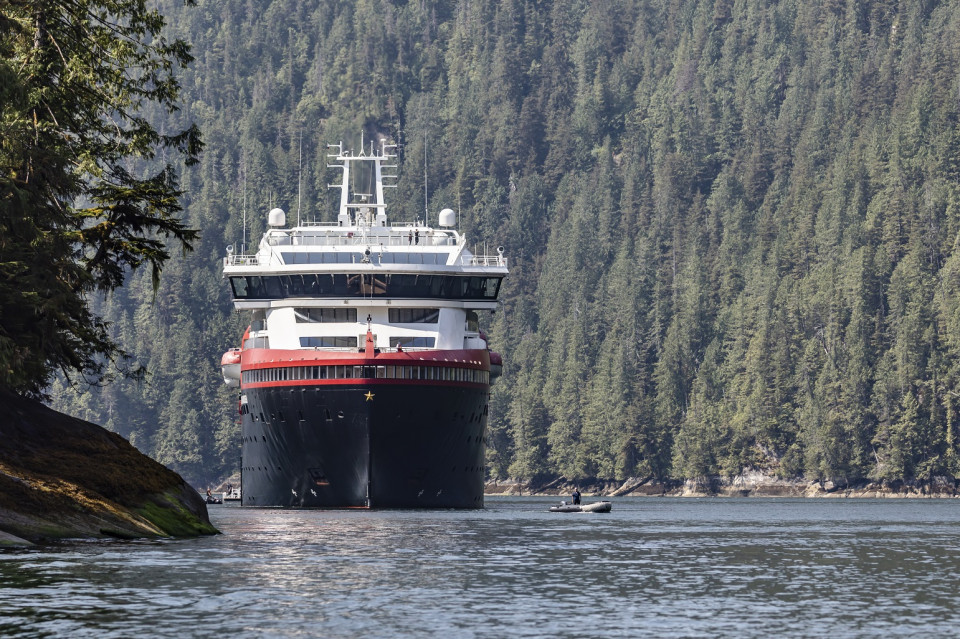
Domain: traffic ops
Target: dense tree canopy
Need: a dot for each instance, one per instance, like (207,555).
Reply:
(79,206)
(732,226)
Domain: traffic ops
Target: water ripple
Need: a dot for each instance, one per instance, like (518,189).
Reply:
(691,568)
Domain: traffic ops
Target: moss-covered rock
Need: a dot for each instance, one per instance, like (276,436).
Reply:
(62,477)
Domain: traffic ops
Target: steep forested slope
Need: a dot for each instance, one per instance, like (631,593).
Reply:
(732,224)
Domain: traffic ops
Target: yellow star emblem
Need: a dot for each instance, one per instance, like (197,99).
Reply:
(369,396)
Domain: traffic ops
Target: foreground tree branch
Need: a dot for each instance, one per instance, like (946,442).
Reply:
(80,205)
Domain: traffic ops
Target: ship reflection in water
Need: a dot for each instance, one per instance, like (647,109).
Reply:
(652,567)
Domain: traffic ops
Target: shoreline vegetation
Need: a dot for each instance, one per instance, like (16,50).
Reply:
(89,195)
(750,484)
(731,226)
(65,478)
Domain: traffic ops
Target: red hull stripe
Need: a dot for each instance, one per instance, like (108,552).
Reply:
(269,358)
(361,381)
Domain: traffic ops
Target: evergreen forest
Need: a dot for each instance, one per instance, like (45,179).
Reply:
(733,226)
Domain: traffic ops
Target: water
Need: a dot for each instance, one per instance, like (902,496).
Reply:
(652,567)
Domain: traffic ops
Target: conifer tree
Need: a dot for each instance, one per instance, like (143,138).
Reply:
(80,202)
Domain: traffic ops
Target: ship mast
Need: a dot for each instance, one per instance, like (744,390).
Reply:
(346,160)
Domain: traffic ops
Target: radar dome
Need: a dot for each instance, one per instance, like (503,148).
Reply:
(277,218)
(448,217)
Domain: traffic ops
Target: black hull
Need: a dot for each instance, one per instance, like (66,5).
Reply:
(364,444)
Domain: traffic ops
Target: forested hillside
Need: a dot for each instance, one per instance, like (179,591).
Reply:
(732,225)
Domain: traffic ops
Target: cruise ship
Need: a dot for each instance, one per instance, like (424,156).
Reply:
(364,376)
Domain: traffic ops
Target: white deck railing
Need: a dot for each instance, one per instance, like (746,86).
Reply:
(473,260)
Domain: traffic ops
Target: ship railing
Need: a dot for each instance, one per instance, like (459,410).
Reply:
(417,224)
(241,260)
(364,240)
(412,237)
(382,349)
(483,260)
(473,260)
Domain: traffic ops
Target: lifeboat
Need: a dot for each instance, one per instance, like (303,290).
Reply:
(496,365)
(230,366)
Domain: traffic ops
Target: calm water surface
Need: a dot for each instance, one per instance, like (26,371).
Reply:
(652,567)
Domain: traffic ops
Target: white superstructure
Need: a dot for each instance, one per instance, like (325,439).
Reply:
(323,286)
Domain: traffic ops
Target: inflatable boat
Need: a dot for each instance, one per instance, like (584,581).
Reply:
(595,507)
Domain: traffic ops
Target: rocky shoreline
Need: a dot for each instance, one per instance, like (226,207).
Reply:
(751,484)
(64,478)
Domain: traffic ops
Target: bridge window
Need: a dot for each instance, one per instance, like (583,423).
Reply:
(328,342)
(414,315)
(326,315)
(412,342)
(395,285)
